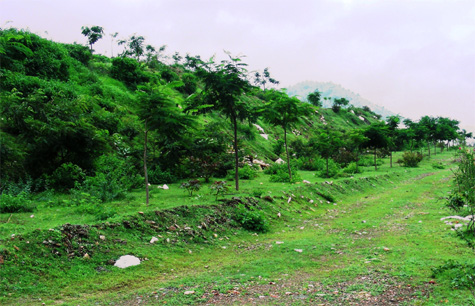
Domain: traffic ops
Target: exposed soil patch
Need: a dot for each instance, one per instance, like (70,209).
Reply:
(372,289)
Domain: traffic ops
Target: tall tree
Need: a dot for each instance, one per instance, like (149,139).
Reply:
(93,34)
(328,143)
(392,124)
(284,111)
(264,78)
(134,46)
(224,85)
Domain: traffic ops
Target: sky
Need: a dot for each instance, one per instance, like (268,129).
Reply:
(414,57)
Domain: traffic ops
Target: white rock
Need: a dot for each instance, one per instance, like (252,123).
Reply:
(298,250)
(102,237)
(306,182)
(165,186)
(189,292)
(279,242)
(32,216)
(280,161)
(259,128)
(265,136)
(290,199)
(153,240)
(127,261)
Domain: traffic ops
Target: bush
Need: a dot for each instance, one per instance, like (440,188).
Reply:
(280,173)
(333,170)
(245,173)
(310,164)
(219,187)
(411,159)
(157,176)
(438,165)
(15,203)
(251,219)
(114,177)
(456,201)
(352,169)
(66,176)
(191,186)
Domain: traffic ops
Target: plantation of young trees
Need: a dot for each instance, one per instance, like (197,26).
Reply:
(74,120)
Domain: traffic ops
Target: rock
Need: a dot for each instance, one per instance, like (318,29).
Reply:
(279,242)
(32,216)
(140,212)
(189,292)
(290,199)
(265,136)
(279,215)
(127,261)
(86,256)
(280,161)
(305,182)
(298,250)
(165,186)
(102,237)
(153,240)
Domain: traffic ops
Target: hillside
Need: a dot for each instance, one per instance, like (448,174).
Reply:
(64,108)
(332,90)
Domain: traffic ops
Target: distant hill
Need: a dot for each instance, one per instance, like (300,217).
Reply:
(332,90)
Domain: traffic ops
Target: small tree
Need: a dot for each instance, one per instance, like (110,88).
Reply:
(224,86)
(328,144)
(158,110)
(377,138)
(93,34)
(264,78)
(284,111)
(338,103)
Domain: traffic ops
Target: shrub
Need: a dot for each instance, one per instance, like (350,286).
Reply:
(280,173)
(245,173)
(158,176)
(438,165)
(251,219)
(456,201)
(219,187)
(191,186)
(15,203)
(66,176)
(114,177)
(352,169)
(333,170)
(411,159)
(310,164)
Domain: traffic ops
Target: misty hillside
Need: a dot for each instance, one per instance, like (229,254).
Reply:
(332,90)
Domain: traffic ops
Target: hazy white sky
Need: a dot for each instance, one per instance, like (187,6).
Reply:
(415,57)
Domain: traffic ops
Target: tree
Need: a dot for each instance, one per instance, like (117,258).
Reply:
(113,37)
(284,111)
(314,98)
(133,46)
(355,141)
(93,34)
(224,86)
(159,111)
(264,78)
(392,124)
(328,143)
(338,103)
(377,138)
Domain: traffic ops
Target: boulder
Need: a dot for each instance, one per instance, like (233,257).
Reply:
(127,261)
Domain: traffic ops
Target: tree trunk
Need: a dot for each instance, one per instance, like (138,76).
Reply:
(435,147)
(236,156)
(287,154)
(391,158)
(145,165)
(375,165)
(428,146)
(327,165)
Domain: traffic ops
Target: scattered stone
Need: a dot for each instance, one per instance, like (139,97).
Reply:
(279,215)
(265,136)
(280,161)
(153,240)
(127,261)
(386,249)
(290,199)
(86,256)
(102,237)
(141,213)
(189,292)
(305,182)
(32,216)
(298,250)
(279,242)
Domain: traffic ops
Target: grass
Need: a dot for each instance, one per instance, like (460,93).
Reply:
(382,233)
